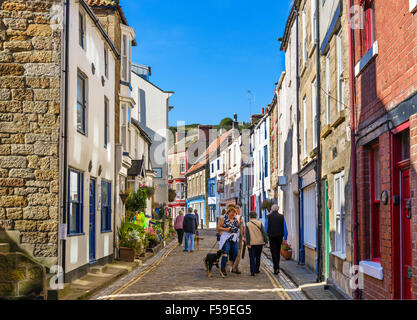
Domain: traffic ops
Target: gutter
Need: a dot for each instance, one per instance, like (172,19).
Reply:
(355,224)
(63,138)
(319,258)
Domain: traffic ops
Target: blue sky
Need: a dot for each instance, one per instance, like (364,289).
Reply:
(210,53)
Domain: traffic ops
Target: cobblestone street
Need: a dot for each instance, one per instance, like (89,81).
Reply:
(177,275)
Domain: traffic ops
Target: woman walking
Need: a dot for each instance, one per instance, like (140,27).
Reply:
(229,228)
(255,239)
(179,226)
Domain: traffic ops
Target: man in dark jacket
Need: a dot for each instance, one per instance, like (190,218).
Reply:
(276,235)
(189,227)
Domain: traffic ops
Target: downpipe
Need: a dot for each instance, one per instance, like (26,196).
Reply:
(319,258)
(357,291)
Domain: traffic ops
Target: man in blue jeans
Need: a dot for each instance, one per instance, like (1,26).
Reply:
(189,227)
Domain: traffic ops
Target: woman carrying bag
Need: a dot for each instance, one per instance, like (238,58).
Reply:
(255,239)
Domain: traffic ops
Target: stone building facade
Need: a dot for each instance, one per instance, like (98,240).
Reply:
(30,122)
(336,145)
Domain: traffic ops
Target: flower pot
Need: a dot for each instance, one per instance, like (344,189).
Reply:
(127,254)
(287,254)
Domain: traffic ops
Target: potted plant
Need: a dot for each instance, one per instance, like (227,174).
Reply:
(286,251)
(129,241)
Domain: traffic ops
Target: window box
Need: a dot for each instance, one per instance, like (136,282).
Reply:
(372,269)
(367,59)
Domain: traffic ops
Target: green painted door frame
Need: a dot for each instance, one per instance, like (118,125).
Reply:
(327,226)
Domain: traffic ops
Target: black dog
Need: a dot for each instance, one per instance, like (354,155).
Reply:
(212,259)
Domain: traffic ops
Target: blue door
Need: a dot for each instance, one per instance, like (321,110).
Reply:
(92,231)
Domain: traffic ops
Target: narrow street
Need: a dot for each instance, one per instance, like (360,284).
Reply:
(178,275)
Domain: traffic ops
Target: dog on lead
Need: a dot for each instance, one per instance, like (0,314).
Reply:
(213,259)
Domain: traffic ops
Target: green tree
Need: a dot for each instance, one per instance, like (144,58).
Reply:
(226,123)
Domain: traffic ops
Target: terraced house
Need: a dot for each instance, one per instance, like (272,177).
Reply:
(58,142)
(335,140)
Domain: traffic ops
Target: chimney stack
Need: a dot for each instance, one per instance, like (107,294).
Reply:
(235,123)
(263,111)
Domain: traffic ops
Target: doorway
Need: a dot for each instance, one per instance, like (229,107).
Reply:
(402,214)
(92,228)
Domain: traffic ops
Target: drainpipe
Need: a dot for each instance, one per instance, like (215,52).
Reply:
(355,224)
(319,258)
(64,130)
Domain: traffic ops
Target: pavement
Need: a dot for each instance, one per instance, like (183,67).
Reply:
(178,275)
(305,279)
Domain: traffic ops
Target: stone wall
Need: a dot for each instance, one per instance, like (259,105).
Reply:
(30,81)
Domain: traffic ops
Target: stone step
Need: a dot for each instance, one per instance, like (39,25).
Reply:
(98,269)
(4,248)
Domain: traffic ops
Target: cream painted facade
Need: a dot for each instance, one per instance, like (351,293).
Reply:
(87,153)
(152,114)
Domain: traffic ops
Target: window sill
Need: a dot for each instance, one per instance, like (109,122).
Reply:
(106,231)
(326,131)
(338,254)
(310,246)
(304,162)
(303,69)
(314,152)
(366,59)
(312,50)
(83,133)
(70,235)
(340,119)
(372,269)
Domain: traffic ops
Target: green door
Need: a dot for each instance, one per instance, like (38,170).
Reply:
(327,226)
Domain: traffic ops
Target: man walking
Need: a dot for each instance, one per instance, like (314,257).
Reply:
(276,235)
(189,227)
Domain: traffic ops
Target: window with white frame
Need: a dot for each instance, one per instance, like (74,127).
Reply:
(304,18)
(340,79)
(313,21)
(123,127)
(126,56)
(305,126)
(182,165)
(75,202)
(81,103)
(309,213)
(328,90)
(339,212)
(314,111)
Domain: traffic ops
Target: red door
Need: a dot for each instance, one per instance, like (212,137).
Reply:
(401,214)
(407,273)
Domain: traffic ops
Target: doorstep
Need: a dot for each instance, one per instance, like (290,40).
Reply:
(304,278)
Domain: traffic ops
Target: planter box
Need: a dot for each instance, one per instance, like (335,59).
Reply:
(287,254)
(127,254)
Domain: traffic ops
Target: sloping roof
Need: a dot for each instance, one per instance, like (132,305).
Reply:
(189,140)
(213,147)
(143,133)
(110,4)
(136,169)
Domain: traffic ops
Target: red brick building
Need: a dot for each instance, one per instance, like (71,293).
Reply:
(384,58)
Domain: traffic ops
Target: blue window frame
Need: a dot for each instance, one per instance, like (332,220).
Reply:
(266,160)
(218,164)
(81,103)
(106,122)
(75,202)
(212,167)
(105,206)
(266,134)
